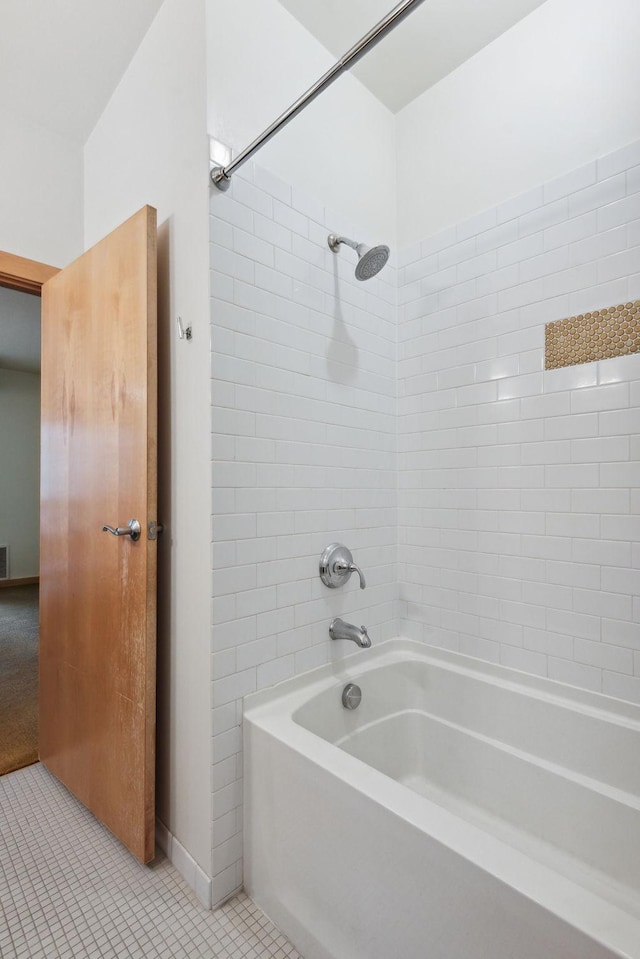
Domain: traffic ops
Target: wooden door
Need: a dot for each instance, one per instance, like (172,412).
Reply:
(98,590)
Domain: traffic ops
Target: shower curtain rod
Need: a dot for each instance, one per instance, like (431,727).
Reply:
(221,176)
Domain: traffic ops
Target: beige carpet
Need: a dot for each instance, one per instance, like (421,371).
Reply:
(18,677)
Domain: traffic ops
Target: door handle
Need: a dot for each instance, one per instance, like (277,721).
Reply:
(133,530)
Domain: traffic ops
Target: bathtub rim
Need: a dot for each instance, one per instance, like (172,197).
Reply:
(272,711)
(290,693)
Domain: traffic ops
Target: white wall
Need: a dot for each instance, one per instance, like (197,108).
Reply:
(560,88)
(20,471)
(150,146)
(304,455)
(518,487)
(40,192)
(303,367)
(260,59)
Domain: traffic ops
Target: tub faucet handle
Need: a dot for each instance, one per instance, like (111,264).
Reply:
(336,566)
(341,567)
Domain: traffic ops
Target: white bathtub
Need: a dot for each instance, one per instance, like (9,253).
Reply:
(464,810)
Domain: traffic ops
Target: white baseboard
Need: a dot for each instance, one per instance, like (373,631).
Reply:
(184,863)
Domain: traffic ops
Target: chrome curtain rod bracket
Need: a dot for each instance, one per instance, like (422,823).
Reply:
(221,175)
(220,178)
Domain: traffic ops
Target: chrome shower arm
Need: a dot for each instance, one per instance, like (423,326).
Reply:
(335,241)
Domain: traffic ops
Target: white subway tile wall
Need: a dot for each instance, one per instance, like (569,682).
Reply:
(518,503)
(493,506)
(304,454)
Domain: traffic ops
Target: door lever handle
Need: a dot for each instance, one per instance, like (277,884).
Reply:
(133,530)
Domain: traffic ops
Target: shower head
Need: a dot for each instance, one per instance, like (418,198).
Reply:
(371,259)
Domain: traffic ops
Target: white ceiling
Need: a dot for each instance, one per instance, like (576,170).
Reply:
(433,40)
(60,60)
(19,331)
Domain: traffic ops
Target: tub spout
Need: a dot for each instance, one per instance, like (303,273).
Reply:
(356,634)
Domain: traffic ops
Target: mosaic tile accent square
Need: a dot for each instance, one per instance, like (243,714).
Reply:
(599,335)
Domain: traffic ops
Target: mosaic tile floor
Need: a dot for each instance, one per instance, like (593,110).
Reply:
(69,890)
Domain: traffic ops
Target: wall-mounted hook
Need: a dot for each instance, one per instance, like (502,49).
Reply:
(184,334)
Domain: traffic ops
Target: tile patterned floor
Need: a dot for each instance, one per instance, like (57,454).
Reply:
(69,890)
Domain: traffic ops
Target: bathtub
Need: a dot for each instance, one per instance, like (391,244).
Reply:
(463,811)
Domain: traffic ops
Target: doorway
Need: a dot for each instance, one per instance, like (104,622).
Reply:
(19,526)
